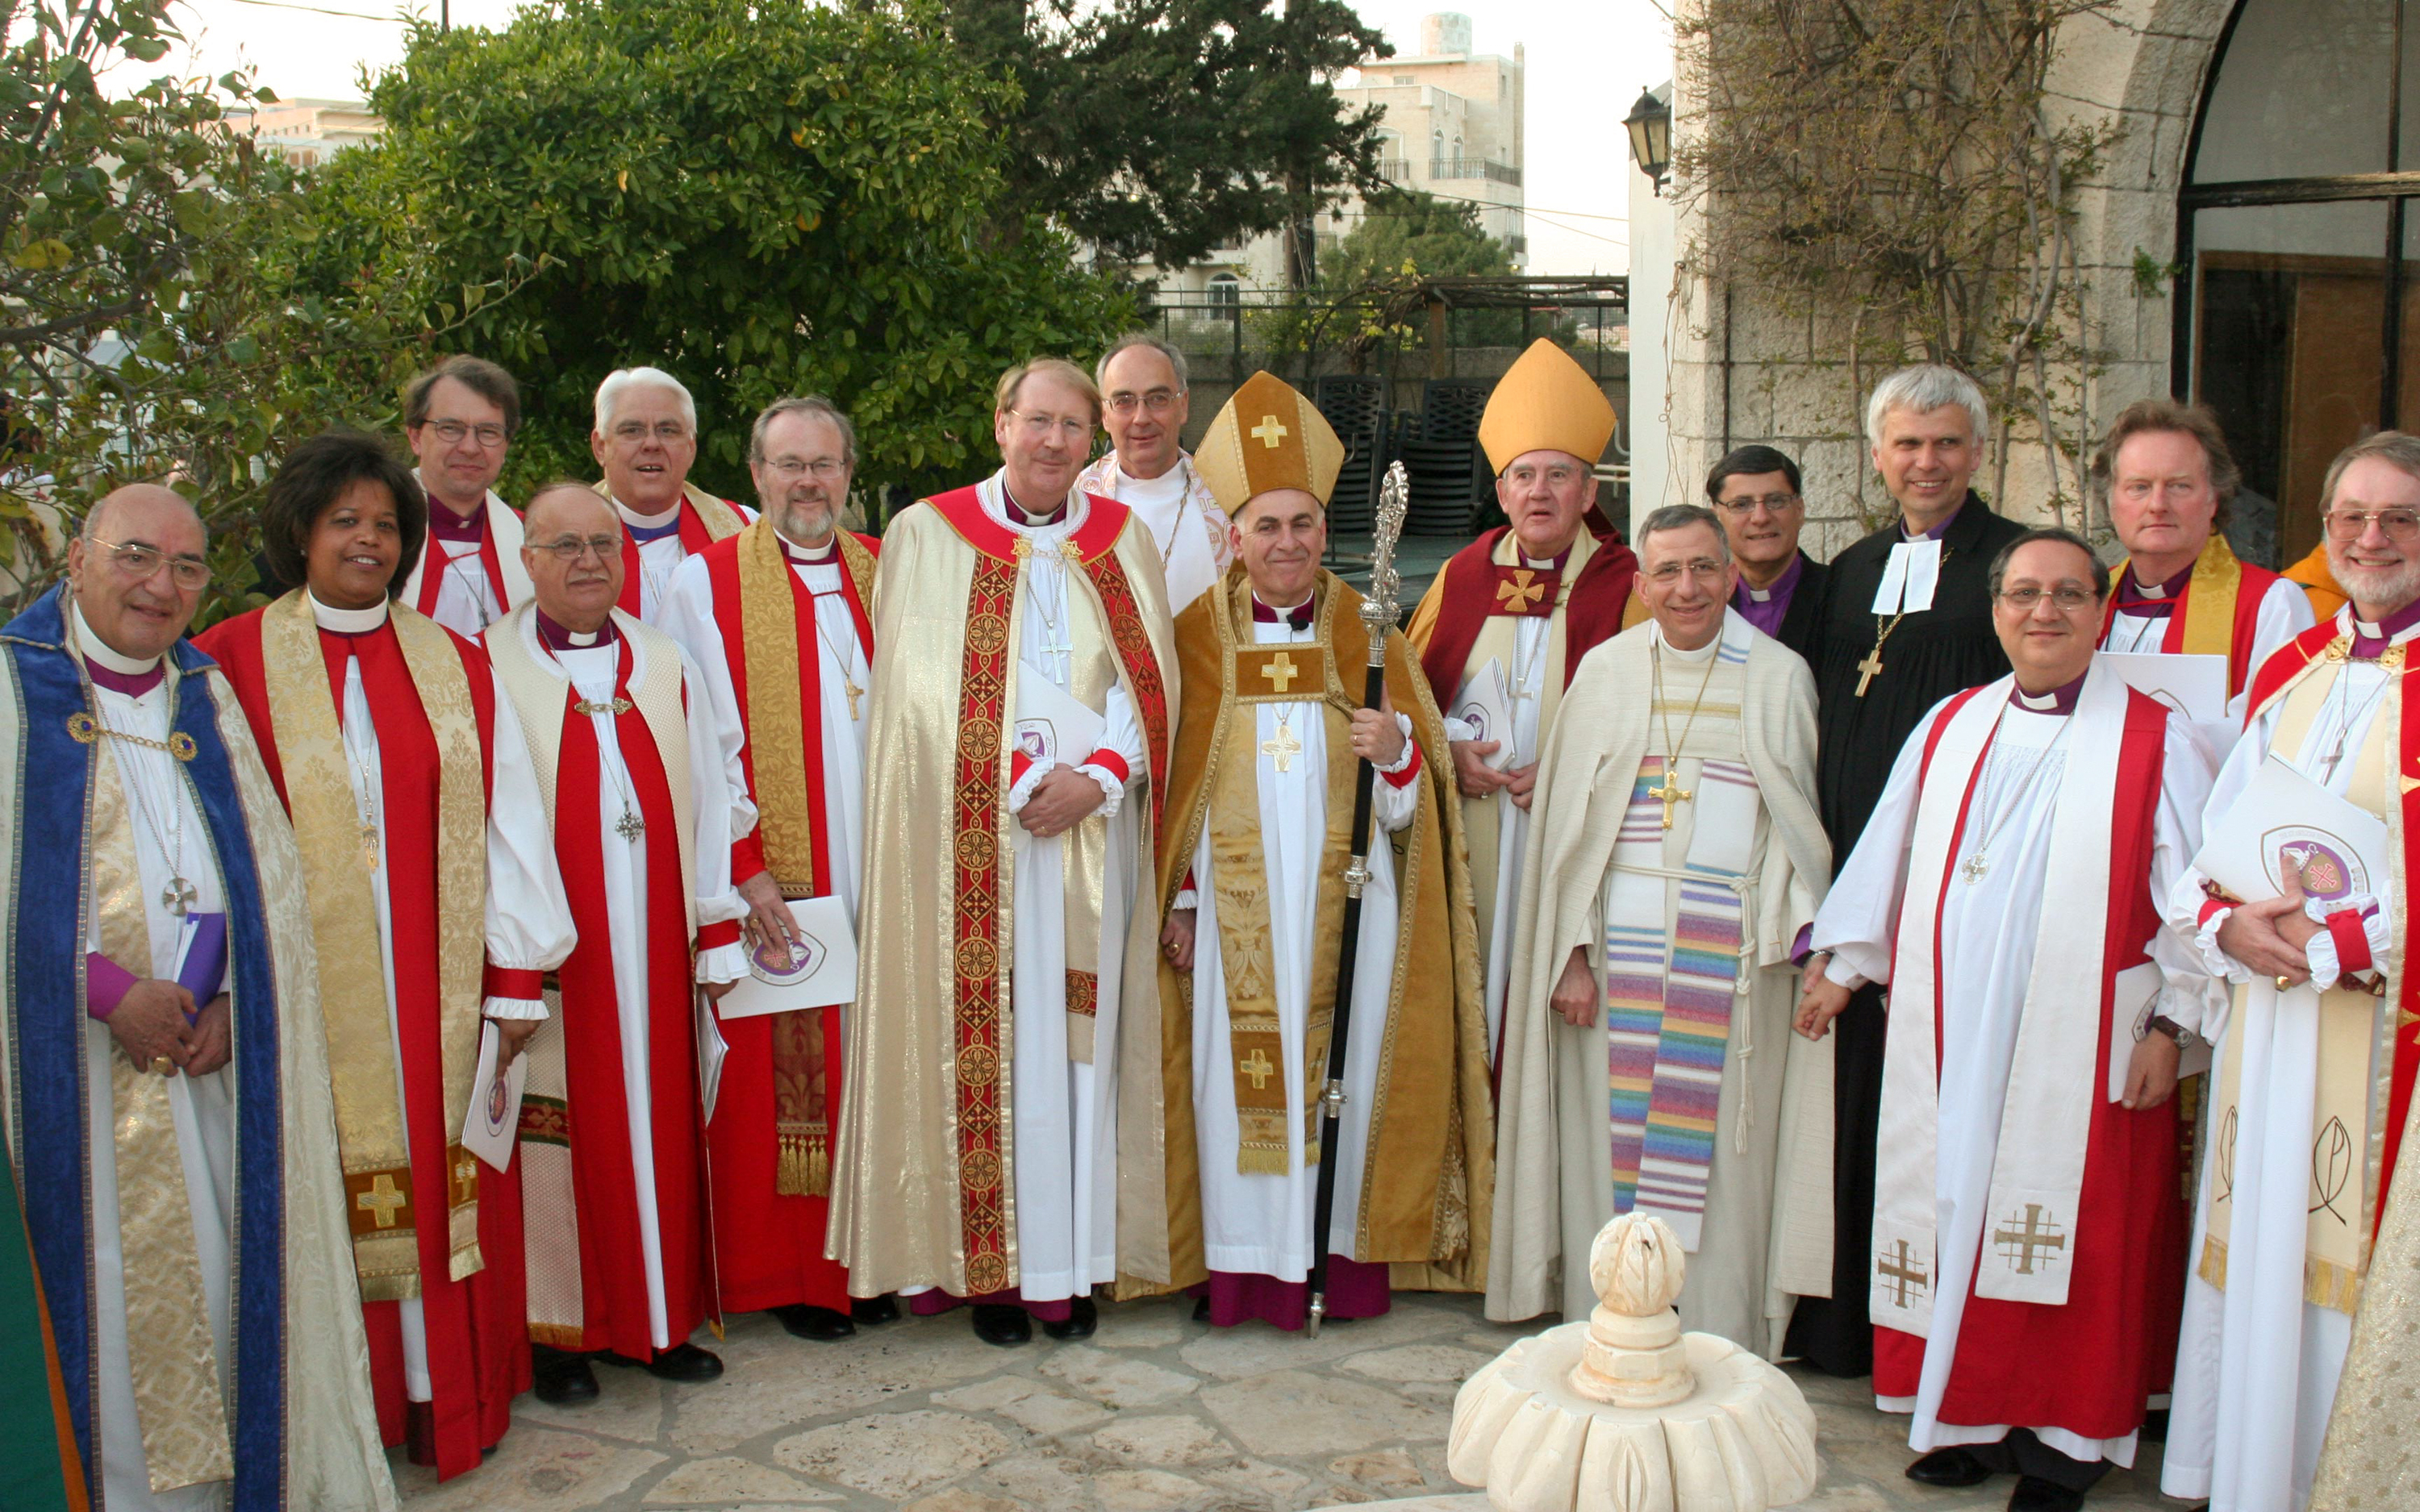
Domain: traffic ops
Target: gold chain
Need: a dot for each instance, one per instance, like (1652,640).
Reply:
(1672,768)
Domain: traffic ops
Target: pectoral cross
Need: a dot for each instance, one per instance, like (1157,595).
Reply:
(1868,669)
(1670,794)
(1284,747)
(179,896)
(630,827)
(381,1200)
(1280,672)
(1260,1069)
(370,847)
(1900,1272)
(2026,1241)
(850,685)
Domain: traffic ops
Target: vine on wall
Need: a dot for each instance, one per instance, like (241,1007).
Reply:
(1894,176)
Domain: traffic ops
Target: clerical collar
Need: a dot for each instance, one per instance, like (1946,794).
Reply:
(1781,586)
(129,675)
(810,556)
(2370,640)
(1698,653)
(446,525)
(645,528)
(1019,515)
(1936,532)
(554,637)
(2131,590)
(2059,702)
(347,621)
(1553,563)
(1298,617)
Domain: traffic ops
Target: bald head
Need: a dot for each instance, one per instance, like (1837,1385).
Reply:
(124,570)
(571,543)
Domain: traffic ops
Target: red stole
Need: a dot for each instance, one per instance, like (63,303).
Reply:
(478,1353)
(2251,590)
(1592,614)
(612,1271)
(694,537)
(434,564)
(2089,1365)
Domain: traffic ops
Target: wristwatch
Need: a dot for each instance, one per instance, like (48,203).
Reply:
(2184,1037)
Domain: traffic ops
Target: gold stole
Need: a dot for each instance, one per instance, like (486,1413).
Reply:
(370,1132)
(2210,602)
(769,648)
(2356,1034)
(178,1402)
(1255,674)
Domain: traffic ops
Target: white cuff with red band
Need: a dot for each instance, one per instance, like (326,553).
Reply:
(1025,774)
(721,963)
(2353,937)
(1112,779)
(515,1009)
(1406,764)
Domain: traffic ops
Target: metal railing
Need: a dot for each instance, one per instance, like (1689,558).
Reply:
(1475,168)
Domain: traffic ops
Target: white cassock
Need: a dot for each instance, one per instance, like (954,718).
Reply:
(466,595)
(720,800)
(527,917)
(2257,1365)
(661,553)
(1525,682)
(1989,926)
(841,663)
(170,840)
(2285,614)
(1185,522)
(1066,1128)
(1259,1225)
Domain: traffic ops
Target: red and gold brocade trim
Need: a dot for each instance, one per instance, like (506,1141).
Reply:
(983,688)
(1133,642)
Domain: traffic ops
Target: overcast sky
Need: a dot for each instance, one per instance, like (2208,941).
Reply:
(1587,59)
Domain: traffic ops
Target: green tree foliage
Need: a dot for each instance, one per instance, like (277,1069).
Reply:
(760,198)
(149,323)
(1405,231)
(1160,130)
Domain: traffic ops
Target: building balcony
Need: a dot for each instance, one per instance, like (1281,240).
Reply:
(1474,168)
(1395,170)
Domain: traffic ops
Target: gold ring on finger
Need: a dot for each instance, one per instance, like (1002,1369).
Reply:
(161,1065)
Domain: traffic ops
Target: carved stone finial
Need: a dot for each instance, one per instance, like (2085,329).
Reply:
(1634,1356)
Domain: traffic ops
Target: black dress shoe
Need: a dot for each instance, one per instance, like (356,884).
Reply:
(1202,1309)
(1082,1317)
(882,1309)
(1000,1323)
(564,1379)
(1952,1466)
(819,1323)
(2034,1494)
(684,1363)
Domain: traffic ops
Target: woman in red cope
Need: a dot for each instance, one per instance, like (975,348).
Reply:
(436,908)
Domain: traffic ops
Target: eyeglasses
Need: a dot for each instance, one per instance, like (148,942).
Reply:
(1158,401)
(2068,598)
(1039,425)
(1772,503)
(140,563)
(1562,475)
(2398,525)
(570,548)
(824,467)
(1705,569)
(666,431)
(450,432)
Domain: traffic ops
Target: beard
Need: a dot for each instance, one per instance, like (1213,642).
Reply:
(2384,587)
(805,522)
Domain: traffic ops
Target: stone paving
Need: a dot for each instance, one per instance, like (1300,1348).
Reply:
(1155,1414)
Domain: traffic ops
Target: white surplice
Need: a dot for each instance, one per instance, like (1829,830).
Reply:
(2285,614)
(841,661)
(171,839)
(660,559)
(1261,1224)
(1185,522)
(1988,928)
(1066,1111)
(528,923)
(720,800)
(2257,1365)
(466,597)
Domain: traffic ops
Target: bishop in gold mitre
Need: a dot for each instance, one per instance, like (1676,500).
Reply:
(1504,626)
(1270,738)
(1006,1037)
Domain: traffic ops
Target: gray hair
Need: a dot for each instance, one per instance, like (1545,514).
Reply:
(622,380)
(1680,517)
(1921,390)
(2398,449)
(1142,338)
(807,404)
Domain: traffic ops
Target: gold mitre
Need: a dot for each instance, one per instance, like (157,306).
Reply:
(1268,435)
(1545,401)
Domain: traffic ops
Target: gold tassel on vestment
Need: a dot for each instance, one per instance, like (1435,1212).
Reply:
(805,1170)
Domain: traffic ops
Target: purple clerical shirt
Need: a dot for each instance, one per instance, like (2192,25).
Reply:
(1765,608)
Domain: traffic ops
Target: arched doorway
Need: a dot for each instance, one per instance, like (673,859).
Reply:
(2299,249)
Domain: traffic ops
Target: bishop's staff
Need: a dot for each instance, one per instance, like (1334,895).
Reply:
(1377,618)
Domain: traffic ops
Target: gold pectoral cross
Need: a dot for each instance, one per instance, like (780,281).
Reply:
(1284,747)
(850,685)
(1670,794)
(370,847)
(1868,669)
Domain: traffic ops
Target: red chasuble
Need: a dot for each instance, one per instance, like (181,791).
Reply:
(478,1354)
(2090,1365)
(1592,614)
(770,1247)
(612,1268)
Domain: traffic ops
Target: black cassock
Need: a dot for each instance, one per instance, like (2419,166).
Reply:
(1931,654)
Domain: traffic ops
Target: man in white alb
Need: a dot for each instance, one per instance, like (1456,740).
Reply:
(460,418)
(1144,404)
(645,440)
